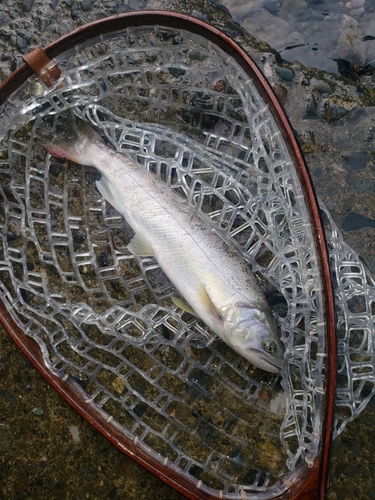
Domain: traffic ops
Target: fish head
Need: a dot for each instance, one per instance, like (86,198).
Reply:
(252,332)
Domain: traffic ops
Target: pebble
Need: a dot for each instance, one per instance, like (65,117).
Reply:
(74,13)
(79,236)
(272,7)
(310,108)
(354,161)
(5,438)
(336,107)
(28,4)
(292,9)
(87,5)
(355,221)
(285,73)
(74,431)
(355,4)
(37,411)
(308,142)
(362,186)
(3,18)
(24,42)
(320,86)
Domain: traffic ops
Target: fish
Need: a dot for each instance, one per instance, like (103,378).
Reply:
(215,283)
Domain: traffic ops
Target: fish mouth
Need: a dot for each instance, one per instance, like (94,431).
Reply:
(266,362)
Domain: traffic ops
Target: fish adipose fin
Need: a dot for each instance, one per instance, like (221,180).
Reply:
(184,306)
(140,246)
(105,190)
(209,305)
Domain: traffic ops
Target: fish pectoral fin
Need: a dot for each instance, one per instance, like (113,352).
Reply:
(209,305)
(184,306)
(105,190)
(140,246)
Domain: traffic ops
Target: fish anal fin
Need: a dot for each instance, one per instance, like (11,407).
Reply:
(140,246)
(183,305)
(209,305)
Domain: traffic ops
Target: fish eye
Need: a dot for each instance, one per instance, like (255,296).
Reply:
(269,346)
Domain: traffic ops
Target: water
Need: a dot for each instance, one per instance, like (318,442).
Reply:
(334,37)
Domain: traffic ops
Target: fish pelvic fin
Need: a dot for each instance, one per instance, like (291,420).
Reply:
(209,305)
(184,306)
(105,190)
(140,246)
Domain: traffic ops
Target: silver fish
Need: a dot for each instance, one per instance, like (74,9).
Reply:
(215,282)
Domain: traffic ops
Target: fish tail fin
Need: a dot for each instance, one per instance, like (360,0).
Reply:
(70,138)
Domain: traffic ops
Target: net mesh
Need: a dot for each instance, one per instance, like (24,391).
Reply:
(178,106)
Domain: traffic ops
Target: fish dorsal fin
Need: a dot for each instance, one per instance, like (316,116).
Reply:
(184,306)
(208,305)
(105,190)
(140,246)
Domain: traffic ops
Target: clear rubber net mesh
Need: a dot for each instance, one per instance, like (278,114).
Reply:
(178,106)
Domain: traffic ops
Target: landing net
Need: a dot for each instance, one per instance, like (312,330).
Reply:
(180,107)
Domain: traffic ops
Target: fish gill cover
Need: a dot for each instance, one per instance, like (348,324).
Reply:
(178,106)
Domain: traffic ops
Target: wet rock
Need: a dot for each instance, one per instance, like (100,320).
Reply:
(320,86)
(42,23)
(87,5)
(3,18)
(362,186)
(336,107)
(127,5)
(357,4)
(354,161)
(74,13)
(79,236)
(258,26)
(311,108)
(292,9)
(24,42)
(355,221)
(350,45)
(28,4)
(5,438)
(294,39)
(272,7)
(55,169)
